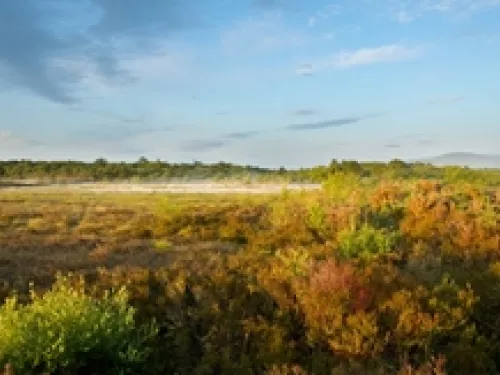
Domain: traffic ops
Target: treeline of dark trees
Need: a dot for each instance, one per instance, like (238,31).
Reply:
(157,170)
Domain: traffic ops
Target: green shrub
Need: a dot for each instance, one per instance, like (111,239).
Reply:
(317,219)
(295,261)
(339,187)
(66,330)
(366,242)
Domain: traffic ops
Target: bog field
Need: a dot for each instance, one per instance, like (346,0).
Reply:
(348,276)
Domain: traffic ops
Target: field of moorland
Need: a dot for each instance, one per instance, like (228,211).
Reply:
(361,276)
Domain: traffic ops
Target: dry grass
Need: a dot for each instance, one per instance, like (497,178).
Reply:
(42,232)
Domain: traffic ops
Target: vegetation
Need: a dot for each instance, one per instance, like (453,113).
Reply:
(144,170)
(370,275)
(66,330)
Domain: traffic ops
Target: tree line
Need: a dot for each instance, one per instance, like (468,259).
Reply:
(158,170)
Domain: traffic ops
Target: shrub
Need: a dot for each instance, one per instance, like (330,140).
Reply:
(295,261)
(340,187)
(334,304)
(366,242)
(421,319)
(66,330)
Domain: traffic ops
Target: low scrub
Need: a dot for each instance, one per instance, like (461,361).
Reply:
(67,331)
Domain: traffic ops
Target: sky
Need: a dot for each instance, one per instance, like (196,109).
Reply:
(263,82)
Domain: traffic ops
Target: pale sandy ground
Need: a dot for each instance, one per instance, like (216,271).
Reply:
(179,188)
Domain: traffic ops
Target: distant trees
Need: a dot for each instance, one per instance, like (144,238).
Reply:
(100,161)
(144,169)
(397,164)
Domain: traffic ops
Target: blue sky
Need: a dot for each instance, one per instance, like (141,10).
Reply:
(264,82)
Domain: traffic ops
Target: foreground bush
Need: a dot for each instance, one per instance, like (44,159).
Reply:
(67,331)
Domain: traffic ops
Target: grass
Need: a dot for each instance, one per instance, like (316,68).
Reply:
(45,231)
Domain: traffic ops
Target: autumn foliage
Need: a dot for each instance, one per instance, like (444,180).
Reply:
(398,277)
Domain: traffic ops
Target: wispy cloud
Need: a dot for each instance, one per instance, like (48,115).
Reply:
(338,122)
(324,14)
(241,135)
(426,142)
(164,59)
(305,69)
(410,10)
(365,56)
(393,145)
(206,145)
(413,138)
(411,141)
(305,112)
(368,56)
(118,133)
(202,145)
(454,99)
(404,16)
(458,6)
(325,124)
(265,33)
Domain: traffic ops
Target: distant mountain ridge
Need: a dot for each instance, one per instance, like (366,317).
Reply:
(465,159)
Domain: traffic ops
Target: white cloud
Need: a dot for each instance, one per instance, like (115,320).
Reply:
(409,10)
(324,14)
(364,56)
(441,6)
(162,64)
(403,16)
(367,56)
(304,69)
(458,6)
(262,34)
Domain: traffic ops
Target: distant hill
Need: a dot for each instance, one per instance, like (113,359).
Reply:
(465,159)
